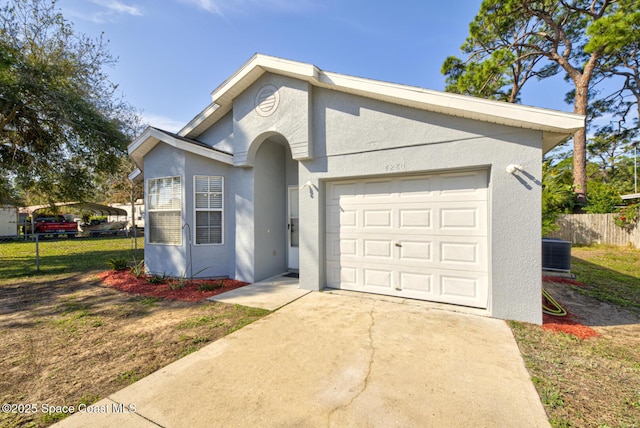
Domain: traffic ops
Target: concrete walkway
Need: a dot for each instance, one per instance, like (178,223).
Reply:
(328,360)
(271,294)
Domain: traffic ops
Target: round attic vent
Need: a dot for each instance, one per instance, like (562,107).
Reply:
(267,100)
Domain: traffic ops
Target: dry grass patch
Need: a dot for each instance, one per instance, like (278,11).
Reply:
(72,340)
(584,382)
(591,382)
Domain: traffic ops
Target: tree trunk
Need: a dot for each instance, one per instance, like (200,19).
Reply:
(580,143)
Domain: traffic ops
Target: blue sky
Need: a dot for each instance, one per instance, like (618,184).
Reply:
(173,53)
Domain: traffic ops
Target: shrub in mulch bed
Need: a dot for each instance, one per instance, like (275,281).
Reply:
(192,291)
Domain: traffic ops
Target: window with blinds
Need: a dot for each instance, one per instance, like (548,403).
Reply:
(164,205)
(209,206)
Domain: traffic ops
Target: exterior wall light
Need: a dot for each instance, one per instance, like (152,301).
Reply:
(511,169)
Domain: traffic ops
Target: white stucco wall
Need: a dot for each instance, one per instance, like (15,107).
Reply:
(188,258)
(241,189)
(291,118)
(270,215)
(160,259)
(220,136)
(260,195)
(209,260)
(334,135)
(349,131)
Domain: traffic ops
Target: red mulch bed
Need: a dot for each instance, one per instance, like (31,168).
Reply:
(560,280)
(566,324)
(125,281)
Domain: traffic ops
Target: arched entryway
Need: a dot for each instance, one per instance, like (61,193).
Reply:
(275,208)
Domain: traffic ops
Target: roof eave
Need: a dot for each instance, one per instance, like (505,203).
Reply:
(135,175)
(557,126)
(151,137)
(223,96)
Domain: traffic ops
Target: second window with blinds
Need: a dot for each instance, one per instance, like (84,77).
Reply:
(209,206)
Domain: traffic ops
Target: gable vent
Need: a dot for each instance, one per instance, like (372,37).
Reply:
(267,100)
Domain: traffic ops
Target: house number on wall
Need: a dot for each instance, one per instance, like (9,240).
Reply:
(391,167)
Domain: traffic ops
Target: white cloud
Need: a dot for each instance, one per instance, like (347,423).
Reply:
(223,7)
(107,11)
(116,6)
(208,5)
(162,122)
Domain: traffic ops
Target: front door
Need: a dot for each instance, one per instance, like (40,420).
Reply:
(293,227)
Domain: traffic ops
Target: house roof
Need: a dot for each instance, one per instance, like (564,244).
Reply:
(152,136)
(556,126)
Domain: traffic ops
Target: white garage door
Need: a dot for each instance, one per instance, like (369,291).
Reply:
(421,237)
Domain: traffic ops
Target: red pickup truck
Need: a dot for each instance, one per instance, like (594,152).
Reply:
(56,225)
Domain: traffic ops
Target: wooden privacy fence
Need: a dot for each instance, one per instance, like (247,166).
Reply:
(589,229)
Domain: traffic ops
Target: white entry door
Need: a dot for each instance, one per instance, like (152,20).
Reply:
(421,237)
(293,234)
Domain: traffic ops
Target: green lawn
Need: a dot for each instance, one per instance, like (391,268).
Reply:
(66,338)
(610,273)
(63,256)
(591,382)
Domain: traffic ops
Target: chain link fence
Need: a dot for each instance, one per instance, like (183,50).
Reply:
(51,253)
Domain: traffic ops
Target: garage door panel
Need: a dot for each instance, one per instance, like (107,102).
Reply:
(384,247)
(467,186)
(343,247)
(333,247)
(403,219)
(377,279)
(377,218)
(410,189)
(416,251)
(342,276)
(339,218)
(342,191)
(462,218)
(377,189)
(443,287)
(462,253)
(468,290)
(459,252)
(421,282)
(459,218)
(410,218)
(347,218)
(422,237)
(378,248)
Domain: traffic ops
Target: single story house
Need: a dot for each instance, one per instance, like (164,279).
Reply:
(357,184)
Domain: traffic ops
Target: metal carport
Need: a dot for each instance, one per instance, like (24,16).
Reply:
(96,209)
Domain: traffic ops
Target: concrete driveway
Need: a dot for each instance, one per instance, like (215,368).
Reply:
(329,360)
